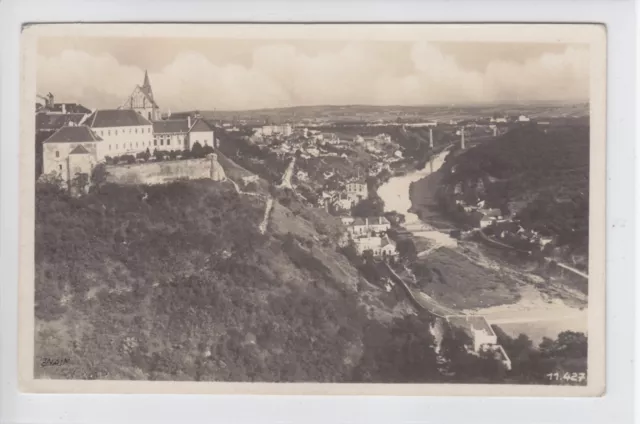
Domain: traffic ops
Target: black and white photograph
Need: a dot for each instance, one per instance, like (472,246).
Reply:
(344,205)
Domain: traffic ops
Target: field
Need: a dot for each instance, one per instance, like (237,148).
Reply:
(457,281)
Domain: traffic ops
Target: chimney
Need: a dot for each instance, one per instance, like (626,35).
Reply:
(462,139)
(189,122)
(64,108)
(431,137)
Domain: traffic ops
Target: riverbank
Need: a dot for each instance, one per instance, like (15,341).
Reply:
(517,300)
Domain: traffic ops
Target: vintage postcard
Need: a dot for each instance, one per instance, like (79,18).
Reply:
(378,209)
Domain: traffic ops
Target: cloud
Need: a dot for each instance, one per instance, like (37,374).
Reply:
(280,75)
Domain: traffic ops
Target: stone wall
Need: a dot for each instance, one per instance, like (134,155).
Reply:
(166,171)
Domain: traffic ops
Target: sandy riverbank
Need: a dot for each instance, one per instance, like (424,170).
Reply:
(533,314)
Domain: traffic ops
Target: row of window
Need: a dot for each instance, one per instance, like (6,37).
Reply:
(131,146)
(124,131)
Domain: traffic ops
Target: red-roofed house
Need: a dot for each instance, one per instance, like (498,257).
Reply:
(70,151)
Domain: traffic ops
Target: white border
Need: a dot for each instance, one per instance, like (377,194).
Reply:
(614,407)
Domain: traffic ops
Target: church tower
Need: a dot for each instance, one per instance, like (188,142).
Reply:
(146,86)
(142,101)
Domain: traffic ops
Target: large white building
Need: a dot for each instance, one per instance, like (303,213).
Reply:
(123,131)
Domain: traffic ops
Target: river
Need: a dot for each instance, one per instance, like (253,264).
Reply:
(533,314)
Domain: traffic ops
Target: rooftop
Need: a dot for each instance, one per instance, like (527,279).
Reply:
(171,126)
(73,134)
(200,126)
(52,121)
(471,323)
(104,118)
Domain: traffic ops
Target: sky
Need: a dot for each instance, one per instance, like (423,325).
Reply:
(232,74)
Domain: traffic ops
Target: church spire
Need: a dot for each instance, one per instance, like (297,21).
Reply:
(146,79)
(146,85)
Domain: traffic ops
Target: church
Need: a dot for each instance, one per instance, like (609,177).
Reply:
(142,101)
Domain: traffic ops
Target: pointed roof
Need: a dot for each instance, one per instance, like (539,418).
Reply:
(146,87)
(79,150)
(73,134)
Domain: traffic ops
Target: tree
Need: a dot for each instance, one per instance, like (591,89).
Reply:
(197,150)
(407,249)
(371,206)
(99,175)
(80,182)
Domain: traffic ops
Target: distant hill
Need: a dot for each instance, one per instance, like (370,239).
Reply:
(367,113)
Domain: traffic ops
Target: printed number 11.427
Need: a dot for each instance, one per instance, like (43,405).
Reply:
(574,377)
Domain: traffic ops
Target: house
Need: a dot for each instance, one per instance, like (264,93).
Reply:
(365,226)
(201,132)
(269,130)
(123,131)
(523,118)
(485,221)
(347,220)
(344,201)
(142,102)
(483,338)
(249,179)
(329,138)
(171,134)
(50,106)
(358,189)
(70,151)
(379,246)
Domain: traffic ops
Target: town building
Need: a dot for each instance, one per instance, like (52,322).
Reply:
(50,106)
(378,246)
(269,130)
(347,220)
(344,201)
(483,338)
(171,134)
(201,132)
(123,131)
(367,226)
(141,100)
(359,190)
(70,151)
